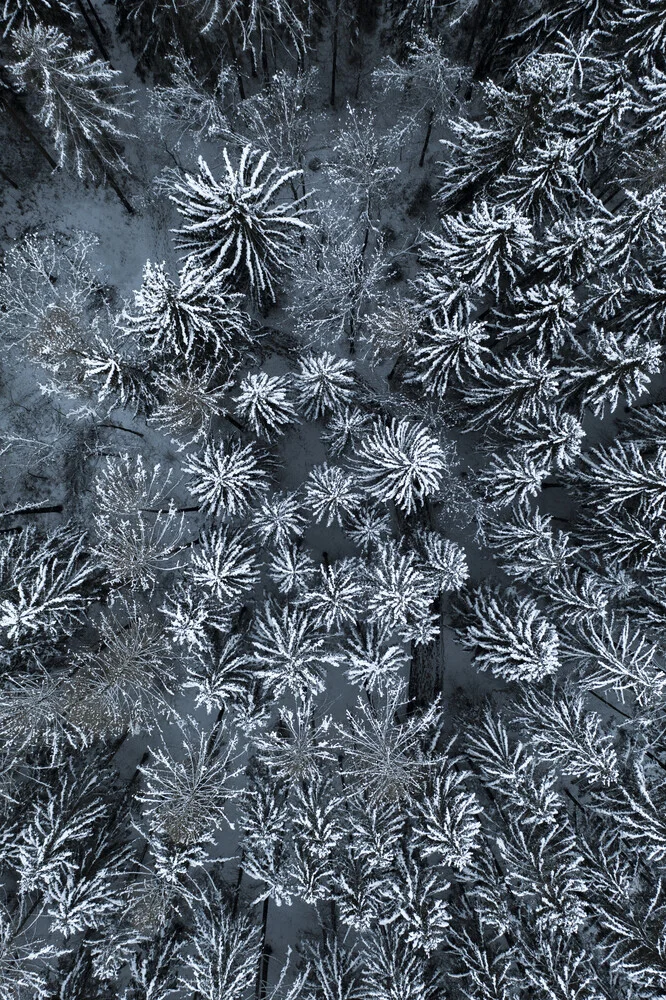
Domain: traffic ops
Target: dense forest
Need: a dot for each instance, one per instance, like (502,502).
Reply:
(333,514)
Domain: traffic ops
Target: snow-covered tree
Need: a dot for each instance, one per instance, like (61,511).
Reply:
(342,277)
(613,366)
(375,662)
(394,969)
(226,947)
(290,652)
(490,247)
(279,120)
(447,817)
(80,102)
(426,77)
(44,582)
(129,680)
(186,108)
(362,166)
(237,228)
(16,14)
(189,399)
(324,384)
(566,733)
(136,549)
(299,746)
(184,794)
(277,518)
(384,757)
(400,462)
(401,593)
(265,403)
(227,478)
(292,569)
(449,348)
(508,389)
(335,599)
(510,636)
(226,564)
(331,494)
(187,316)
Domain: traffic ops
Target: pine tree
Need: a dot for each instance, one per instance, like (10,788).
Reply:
(546,184)
(17,14)
(528,546)
(331,494)
(184,795)
(324,384)
(43,583)
(565,733)
(336,597)
(290,652)
(400,594)
(226,950)
(264,402)
(220,674)
(511,770)
(188,401)
(236,228)
(512,389)
(490,247)
(188,316)
(299,746)
(510,636)
(386,758)
(451,347)
(375,663)
(545,313)
(277,519)
(446,817)
(292,569)
(621,476)
(400,462)
(392,970)
(612,366)
(128,680)
(225,564)
(227,478)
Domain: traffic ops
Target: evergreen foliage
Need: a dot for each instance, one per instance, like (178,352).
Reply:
(333,557)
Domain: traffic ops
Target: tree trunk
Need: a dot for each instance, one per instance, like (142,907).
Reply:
(262,975)
(27,131)
(93,31)
(424,674)
(234,57)
(107,174)
(334,60)
(426,141)
(8,179)
(119,427)
(100,22)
